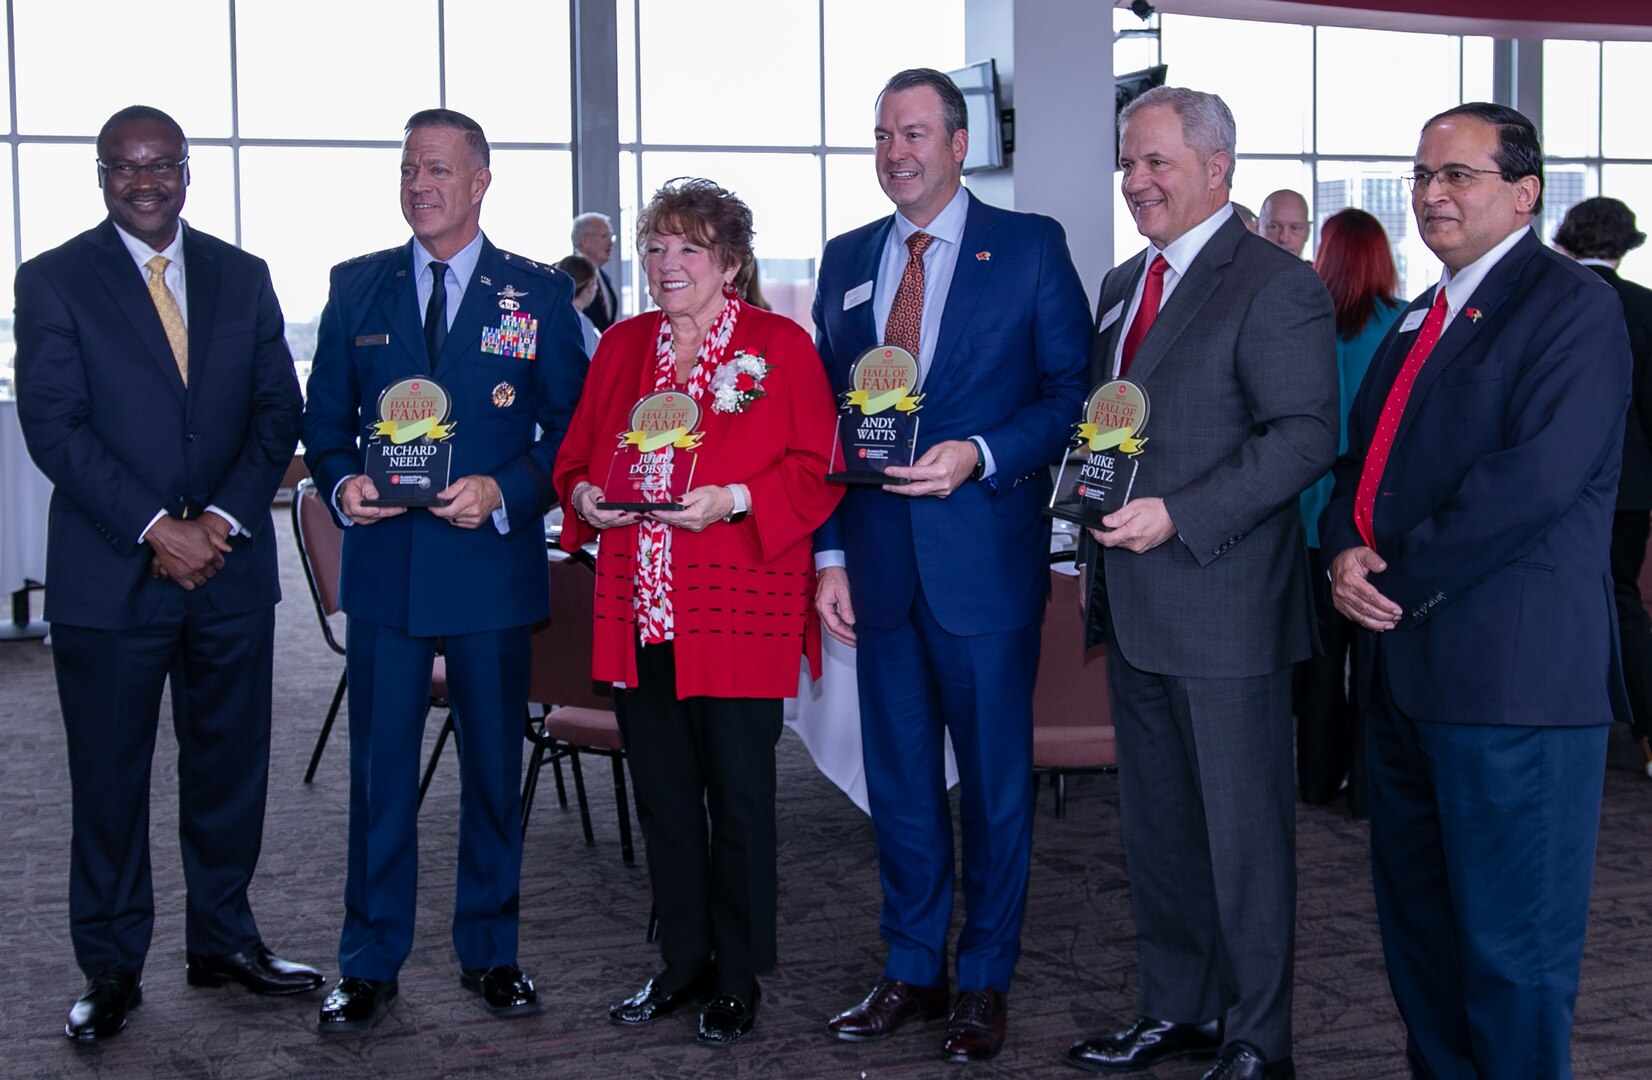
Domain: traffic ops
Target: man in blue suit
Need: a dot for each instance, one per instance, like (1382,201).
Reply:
(940,581)
(1470,529)
(156,391)
(498,332)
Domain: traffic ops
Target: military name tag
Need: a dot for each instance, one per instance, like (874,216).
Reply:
(1099,471)
(409,455)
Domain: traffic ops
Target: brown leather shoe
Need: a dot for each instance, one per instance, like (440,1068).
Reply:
(976,1030)
(890,1004)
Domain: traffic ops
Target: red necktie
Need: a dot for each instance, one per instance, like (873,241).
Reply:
(1146,312)
(906,313)
(1382,441)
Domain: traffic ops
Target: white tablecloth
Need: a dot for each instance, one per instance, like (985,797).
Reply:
(25,495)
(826,716)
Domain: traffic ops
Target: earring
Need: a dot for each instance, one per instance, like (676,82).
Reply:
(729,290)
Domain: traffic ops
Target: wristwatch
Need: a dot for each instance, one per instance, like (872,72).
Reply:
(980,470)
(738,514)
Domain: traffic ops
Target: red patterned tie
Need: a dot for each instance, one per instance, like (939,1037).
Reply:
(906,313)
(1376,457)
(1151,293)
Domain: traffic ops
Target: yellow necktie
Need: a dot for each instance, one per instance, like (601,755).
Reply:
(171,318)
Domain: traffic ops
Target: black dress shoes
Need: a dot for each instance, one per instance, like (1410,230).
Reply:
(101,1010)
(1146,1043)
(355,1005)
(976,1030)
(727,1019)
(257,969)
(882,1012)
(504,990)
(1241,1061)
(652,1003)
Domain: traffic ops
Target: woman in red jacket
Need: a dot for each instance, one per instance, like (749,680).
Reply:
(703,613)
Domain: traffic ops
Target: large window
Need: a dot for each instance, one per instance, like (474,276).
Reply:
(1328,112)
(294,113)
(772,99)
(1596,140)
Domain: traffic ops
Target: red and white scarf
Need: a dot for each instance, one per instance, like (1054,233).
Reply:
(655,621)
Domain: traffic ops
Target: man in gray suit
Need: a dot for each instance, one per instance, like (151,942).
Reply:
(1200,586)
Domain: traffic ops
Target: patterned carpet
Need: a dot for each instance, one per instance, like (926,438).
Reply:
(584,914)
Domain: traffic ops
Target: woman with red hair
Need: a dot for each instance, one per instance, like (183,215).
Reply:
(1357,266)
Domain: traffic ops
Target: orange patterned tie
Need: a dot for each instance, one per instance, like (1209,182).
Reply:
(906,313)
(172,320)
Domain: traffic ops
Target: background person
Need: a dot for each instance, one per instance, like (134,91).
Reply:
(593,237)
(1283,221)
(584,276)
(1357,266)
(702,613)
(1598,233)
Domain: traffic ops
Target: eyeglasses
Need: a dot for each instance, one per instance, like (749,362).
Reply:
(160,170)
(1454,178)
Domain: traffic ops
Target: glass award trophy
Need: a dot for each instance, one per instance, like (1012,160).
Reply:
(877,424)
(409,456)
(1099,470)
(654,465)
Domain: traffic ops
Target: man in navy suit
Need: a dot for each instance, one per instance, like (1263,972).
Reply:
(498,333)
(156,391)
(940,581)
(1470,528)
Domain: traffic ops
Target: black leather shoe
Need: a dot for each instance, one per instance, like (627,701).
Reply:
(257,969)
(976,1030)
(727,1019)
(1146,1043)
(1242,1061)
(651,1003)
(100,1012)
(889,1006)
(505,990)
(355,1005)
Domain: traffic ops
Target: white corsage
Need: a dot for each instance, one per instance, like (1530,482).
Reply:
(739,382)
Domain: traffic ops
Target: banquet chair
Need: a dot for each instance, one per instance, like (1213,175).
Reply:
(578,712)
(321,553)
(1072,715)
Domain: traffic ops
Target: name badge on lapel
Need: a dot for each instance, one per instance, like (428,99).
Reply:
(1413,320)
(516,335)
(364,340)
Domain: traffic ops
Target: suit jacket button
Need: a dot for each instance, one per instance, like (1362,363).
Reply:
(190,437)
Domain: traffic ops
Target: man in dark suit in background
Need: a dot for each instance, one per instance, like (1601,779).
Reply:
(1200,586)
(156,391)
(1598,233)
(1468,537)
(942,582)
(594,238)
(499,334)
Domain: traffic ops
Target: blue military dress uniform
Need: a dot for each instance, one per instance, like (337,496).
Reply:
(513,367)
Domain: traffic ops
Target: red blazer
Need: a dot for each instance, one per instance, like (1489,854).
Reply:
(742,594)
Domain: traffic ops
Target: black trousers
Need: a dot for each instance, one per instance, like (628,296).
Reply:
(1630,529)
(109,685)
(1330,732)
(703,769)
